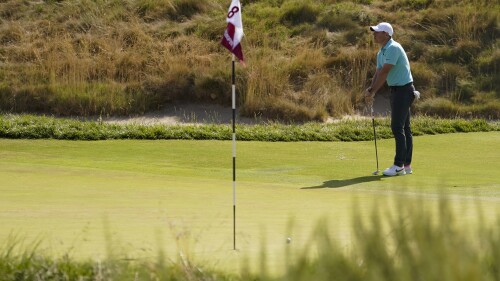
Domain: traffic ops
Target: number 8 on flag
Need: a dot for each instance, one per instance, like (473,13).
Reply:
(234,31)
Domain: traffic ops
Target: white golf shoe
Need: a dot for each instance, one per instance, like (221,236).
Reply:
(408,169)
(394,171)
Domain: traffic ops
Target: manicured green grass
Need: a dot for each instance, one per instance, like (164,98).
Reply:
(129,198)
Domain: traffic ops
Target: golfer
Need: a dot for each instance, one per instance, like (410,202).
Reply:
(393,66)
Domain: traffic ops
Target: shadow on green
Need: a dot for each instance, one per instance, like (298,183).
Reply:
(344,183)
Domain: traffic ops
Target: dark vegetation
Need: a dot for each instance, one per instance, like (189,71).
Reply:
(36,127)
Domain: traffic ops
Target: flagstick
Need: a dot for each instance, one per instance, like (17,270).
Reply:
(234,153)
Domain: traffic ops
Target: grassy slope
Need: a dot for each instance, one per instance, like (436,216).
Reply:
(129,57)
(132,196)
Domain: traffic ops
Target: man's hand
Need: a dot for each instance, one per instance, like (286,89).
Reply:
(369,95)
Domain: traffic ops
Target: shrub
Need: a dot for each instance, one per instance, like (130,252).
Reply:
(177,87)
(288,111)
(450,74)
(489,61)
(213,88)
(448,26)
(465,51)
(443,53)
(129,68)
(10,34)
(307,29)
(306,61)
(153,10)
(464,91)
(334,21)
(447,109)
(489,110)
(12,10)
(418,4)
(364,2)
(488,83)
(352,67)
(357,35)
(437,107)
(424,78)
(185,9)
(298,12)
(415,49)
(210,29)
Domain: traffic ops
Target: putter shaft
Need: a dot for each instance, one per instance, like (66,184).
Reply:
(375,139)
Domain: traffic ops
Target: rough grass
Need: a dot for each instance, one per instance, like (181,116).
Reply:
(488,108)
(306,60)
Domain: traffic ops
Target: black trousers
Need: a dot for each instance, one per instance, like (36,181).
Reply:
(401,99)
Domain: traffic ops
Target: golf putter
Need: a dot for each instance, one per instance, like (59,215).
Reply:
(375,138)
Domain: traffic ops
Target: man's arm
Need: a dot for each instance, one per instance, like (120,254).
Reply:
(381,77)
(369,91)
(374,79)
(378,80)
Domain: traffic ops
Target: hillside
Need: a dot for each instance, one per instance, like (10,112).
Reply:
(306,60)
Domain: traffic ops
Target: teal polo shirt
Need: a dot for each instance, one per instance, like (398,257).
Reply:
(393,53)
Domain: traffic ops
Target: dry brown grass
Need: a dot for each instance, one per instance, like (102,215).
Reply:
(127,57)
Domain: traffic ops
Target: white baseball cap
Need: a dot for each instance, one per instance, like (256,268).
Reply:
(383,26)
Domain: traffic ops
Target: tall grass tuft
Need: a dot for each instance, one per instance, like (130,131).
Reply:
(352,69)
(449,109)
(415,241)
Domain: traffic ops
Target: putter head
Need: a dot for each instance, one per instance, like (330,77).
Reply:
(376,172)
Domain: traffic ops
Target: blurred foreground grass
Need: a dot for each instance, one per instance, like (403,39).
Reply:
(412,243)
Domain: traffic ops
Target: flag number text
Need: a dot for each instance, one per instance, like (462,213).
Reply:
(233,11)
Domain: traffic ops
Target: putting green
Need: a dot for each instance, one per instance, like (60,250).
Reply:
(92,199)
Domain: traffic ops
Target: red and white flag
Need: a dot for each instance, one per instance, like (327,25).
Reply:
(234,31)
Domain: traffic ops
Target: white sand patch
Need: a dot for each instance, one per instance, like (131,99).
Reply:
(180,114)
